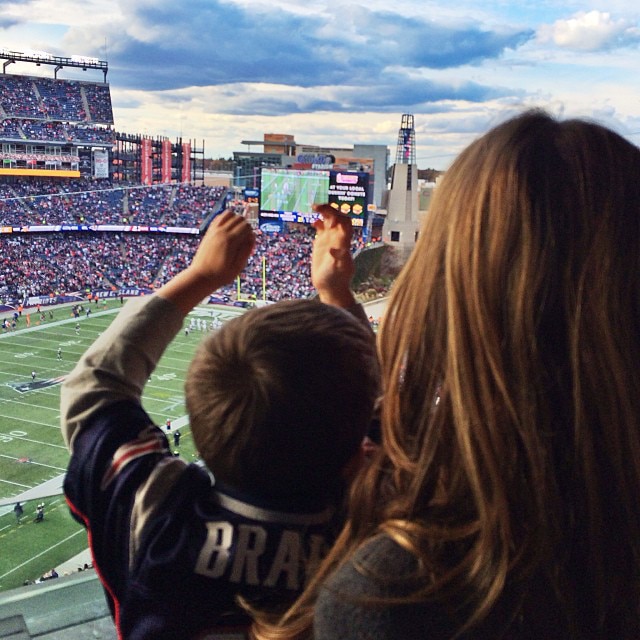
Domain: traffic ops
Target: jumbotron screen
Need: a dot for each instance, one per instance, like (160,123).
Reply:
(289,194)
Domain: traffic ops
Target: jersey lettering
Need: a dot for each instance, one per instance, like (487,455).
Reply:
(289,559)
(214,554)
(252,541)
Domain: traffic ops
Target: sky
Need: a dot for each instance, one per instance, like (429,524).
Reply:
(342,73)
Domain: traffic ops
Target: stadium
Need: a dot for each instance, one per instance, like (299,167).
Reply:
(90,217)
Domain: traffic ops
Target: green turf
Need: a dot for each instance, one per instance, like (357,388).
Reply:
(31,447)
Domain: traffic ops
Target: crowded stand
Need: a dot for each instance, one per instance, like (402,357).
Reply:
(10,129)
(83,133)
(37,264)
(43,130)
(61,100)
(99,102)
(48,99)
(18,98)
(148,205)
(52,131)
(100,201)
(57,111)
(28,201)
(188,199)
(75,260)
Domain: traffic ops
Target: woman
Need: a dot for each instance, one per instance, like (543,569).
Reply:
(505,499)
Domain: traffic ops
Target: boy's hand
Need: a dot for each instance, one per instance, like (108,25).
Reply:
(224,250)
(332,265)
(221,256)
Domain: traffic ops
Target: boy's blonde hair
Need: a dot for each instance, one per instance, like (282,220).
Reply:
(280,398)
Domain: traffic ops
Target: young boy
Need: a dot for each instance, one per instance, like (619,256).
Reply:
(279,401)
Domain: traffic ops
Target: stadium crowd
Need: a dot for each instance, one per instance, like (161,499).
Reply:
(49,99)
(59,111)
(39,264)
(98,201)
(52,131)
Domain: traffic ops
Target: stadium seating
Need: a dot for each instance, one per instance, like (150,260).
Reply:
(61,100)
(37,264)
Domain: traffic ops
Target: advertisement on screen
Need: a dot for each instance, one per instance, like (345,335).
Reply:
(289,194)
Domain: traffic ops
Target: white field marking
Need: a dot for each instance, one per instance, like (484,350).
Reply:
(18,419)
(156,387)
(55,323)
(173,404)
(46,444)
(165,377)
(57,544)
(39,464)
(51,389)
(5,527)
(17,484)
(29,404)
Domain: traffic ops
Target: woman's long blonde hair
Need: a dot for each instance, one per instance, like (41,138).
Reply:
(510,355)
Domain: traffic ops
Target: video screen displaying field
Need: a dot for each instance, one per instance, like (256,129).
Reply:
(293,190)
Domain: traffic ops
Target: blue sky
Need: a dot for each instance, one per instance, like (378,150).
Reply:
(342,73)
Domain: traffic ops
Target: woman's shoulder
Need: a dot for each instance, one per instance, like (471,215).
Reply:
(368,597)
(384,561)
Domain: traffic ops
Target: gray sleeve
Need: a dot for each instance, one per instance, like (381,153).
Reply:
(118,364)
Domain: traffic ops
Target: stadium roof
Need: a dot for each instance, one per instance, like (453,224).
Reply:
(59,62)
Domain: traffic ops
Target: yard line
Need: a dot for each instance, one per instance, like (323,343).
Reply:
(56,323)
(28,404)
(48,444)
(17,484)
(40,464)
(57,544)
(15,418)
(48,466)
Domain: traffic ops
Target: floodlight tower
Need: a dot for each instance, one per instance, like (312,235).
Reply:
(402,203)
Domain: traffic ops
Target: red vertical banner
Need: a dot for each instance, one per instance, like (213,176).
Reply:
(145,161)
(186,162)
(166,161)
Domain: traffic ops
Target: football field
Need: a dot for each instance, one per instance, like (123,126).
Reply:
(33,457)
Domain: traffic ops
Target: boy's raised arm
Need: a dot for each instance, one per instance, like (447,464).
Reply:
(118,364)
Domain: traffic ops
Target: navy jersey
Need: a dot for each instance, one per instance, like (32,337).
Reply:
(171,549)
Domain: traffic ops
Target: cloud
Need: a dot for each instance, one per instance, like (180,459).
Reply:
(169,45)
(592,31)
(7,23)
(391,94)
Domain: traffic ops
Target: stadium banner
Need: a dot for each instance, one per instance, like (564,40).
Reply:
(44,301)
(251,195)
(271,225)
(186,162)
(41,173)
(128,292)
(166,161)
(100,163)
(145,161)
(72,228)
(34,301)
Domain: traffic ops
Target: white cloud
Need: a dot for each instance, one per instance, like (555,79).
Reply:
(590,31)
